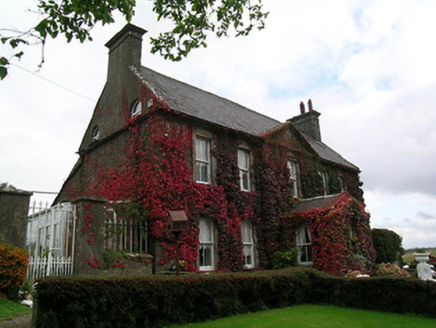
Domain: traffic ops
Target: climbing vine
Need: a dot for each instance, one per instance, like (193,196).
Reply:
(341,237)
(154,176)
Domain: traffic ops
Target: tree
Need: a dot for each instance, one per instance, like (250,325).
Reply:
(388,245)
(192,21)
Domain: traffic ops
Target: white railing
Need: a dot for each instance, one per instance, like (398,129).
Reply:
(125,234)
(43,266)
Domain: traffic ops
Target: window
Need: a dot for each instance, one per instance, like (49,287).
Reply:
(125,234)
(341,183)
(202,160)
(206,249)
(325,182)
(149,103)
(95,134)
(247,241)
(136,109)
(293,177)
(304,243)
(244,169)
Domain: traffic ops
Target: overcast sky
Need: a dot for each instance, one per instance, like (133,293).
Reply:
(368,66)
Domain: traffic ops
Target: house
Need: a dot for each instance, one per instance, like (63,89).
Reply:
(156,146)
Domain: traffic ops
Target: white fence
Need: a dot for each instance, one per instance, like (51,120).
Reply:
(43,266)
(50,240)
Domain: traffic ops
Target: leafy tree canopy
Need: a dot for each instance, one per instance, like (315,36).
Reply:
(388,245)
(192,21)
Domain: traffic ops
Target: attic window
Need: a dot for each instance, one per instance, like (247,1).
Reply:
(95,134)
(136,109)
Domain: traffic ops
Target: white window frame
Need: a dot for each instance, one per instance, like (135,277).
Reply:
(136,109)
(95,134)
(248,244)
(202,162)
(325,182)
(341,183)
(304,244)
(293,177)
(244,168)
(206,243)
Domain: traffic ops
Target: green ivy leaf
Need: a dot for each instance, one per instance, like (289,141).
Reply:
(4,61)
(41,28)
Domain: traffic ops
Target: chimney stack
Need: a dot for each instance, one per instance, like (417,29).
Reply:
(124,50)
(309,103)
(302,109)
(308,122)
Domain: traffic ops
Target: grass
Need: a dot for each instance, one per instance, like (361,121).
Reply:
(319,316)
(408,255)
(9,309)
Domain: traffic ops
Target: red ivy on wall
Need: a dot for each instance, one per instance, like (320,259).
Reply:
(156,172)
(341,237)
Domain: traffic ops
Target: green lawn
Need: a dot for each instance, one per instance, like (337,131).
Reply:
(9,309)
(319,316)
(408,255)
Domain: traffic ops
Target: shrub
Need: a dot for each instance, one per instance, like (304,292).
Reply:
(13,269)
(388,269)
(165,300)
(283,260)
(169,300)
(388,245)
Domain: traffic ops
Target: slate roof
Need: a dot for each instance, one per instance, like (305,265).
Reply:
(325,152)
(317,203)
(206,106)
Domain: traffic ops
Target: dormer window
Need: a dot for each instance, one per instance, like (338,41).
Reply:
(136,109)
(95,134)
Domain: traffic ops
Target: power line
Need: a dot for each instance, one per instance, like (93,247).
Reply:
(56,84)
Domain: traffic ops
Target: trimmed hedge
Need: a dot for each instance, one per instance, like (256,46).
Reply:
(160,301)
